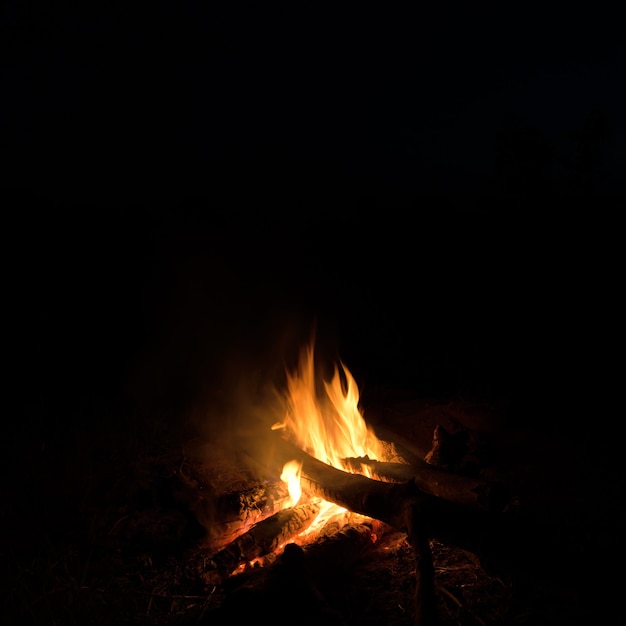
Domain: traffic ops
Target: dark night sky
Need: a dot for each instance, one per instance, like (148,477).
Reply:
(191,174)
(367,102)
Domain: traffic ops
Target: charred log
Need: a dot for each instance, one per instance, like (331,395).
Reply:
(359,494)
(346,546)
(452,522)
(336,546)
(301,580)
(265,537)
(226,516)
(445,493)
(238,511)
(463,490)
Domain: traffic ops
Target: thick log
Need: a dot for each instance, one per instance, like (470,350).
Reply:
(265,537)
(464,490)
(448,519)
(226,516)
(385,501)
(238,511)
(357,493)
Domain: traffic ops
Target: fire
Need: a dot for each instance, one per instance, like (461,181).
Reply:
(291,476)
(329,426)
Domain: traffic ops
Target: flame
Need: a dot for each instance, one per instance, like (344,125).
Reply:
(328,426)
(291,476)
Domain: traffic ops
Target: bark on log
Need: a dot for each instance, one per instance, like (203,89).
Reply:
(449,519)
(335,547)
(265,537)
(357,493)
(346,546)
(380,500)
(226,516)
(239,511)
(465,490)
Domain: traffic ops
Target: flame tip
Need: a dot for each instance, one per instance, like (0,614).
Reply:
(330,427)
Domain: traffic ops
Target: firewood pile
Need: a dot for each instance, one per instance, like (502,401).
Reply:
(199,531)
(421,511)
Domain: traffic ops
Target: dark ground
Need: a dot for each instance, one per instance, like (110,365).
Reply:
(129,329)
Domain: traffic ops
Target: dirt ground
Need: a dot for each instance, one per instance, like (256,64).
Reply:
(96,533)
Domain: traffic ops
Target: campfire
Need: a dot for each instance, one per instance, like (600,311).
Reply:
(319,488)
(205,482)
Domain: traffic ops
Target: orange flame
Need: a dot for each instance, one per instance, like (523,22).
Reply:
(329,427)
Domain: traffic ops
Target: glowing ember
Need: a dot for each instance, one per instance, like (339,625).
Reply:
(329,426)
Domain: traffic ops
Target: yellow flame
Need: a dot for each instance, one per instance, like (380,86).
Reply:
(329,427)
(291,476)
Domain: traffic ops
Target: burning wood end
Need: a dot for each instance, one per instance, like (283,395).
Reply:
(266,536)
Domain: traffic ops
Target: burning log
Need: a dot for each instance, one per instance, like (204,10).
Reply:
(227,515)
(445,492)
(354,492)
(300,578)
(335,546)
(236,512)
(406,506)
(346,545)
(265,537)
(464,490)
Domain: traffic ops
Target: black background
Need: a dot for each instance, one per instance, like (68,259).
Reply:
(435,189)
